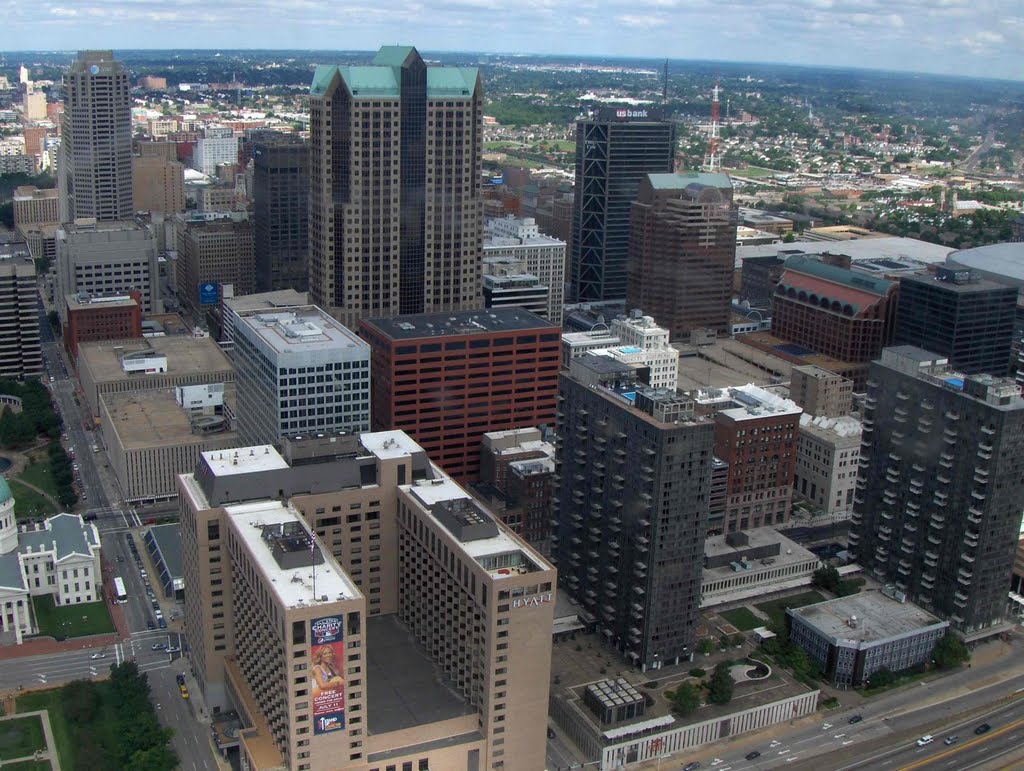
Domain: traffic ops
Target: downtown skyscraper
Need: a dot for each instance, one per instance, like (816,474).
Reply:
(95,161)
(396,205)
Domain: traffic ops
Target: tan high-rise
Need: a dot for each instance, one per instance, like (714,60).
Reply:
(396,205)
(441,617)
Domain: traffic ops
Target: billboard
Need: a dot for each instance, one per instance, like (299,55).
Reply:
(327,650)
(209,293)
(639,112)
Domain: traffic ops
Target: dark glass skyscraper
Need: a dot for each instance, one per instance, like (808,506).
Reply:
(615,149)
(281,212)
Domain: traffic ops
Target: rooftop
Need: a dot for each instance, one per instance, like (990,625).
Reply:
(185,354)
(968,286)
(756,402)
(245,460)
(491,320)
(383,77)
(790,551)
(292,586)
(837,275)
(81,300)
(300,329)
(866,249)
(682,181)
(153,418)
(866,617)
(283,298)
(997,261)
(168,541)
(843,427)
(68,531)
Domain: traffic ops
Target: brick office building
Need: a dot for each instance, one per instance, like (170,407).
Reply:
(116,317)
(449,378)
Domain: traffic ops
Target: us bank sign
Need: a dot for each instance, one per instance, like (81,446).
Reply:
(529,602)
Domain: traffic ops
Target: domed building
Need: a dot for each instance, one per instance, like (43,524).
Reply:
(61,557)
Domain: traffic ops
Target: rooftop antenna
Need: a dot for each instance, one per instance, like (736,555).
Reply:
(712,161)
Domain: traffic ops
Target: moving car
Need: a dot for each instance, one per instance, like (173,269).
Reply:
(692,766)
(98,656)
(951,740)
(181,679)
(184,691)
(753,755)
(157,647)
(926,739)
(984,728)
(855,719)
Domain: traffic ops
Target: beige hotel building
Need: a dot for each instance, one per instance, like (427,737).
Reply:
(414,633)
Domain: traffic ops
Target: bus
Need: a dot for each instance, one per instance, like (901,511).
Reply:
(119,593)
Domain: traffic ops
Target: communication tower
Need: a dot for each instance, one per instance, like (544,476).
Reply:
(712,161)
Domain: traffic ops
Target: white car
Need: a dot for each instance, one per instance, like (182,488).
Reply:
(98,656)
(926,739)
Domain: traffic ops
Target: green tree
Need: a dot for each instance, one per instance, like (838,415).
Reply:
(706,645)
(881,678)
(686,699)
(16,428)
(950,652)
(720,686)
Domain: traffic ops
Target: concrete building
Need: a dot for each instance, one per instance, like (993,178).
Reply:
(163,542)
(516,290)
(827,457)
(113,317)
(119,366)
(41,238)
(95,163)
(759,277)
(32,205)
(106,258)
(300,372)
(682,247)
(756,433)
(851,638)
(820,392)
(575,344)
(960,316)
(441,616)
(520,239)
(18,163)
(449,378)
(152,436)
(752,563)
(632,502)
(216,146)
(634,339)
(158,180)
(232,307)
(396,208)
(615,149)
(21,354)
(213,249)
(281,212)
(762,220)
(937,508)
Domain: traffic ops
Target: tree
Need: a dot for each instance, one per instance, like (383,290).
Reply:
(789,238)
(16,428)
(950,652)
(686,699)
(881,678)
(706,645)
(720,686)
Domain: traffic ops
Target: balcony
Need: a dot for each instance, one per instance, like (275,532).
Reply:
(967,557)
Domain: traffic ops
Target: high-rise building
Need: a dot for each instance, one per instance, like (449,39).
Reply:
(520,239)
(32,205)
(937,510)
(826,462)
(158,178)
(449,378)
(820,392)
(682,252)
(214,249)
(95,165)
(960,316)
(396,204)
(359,610)
(216,146)
(281,212)
(21,354)
(634,481)
(615,150)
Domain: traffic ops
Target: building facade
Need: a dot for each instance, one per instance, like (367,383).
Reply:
(819,392)
(95,162)
(114,317)
(32,205)
(682,250)
(396,206)
(937,508)
(21,353)
(516,290)
(158,182)
(520,239)
(827,455)
(281,212)
(300,372)
(615,150)
(213,249)
(216,146)
(447,379)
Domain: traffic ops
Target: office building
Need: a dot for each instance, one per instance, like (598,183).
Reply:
(631,338)
(448,378)
(439,618)
(300,372)
(21,354)
(752,563)
(516,290)
(41,238)
(520,239)
(213,249)
(851,638)
(756,433)
(396,204)
(158,179)
(634,479)
(960,316)
(826,462)
(95,162)
(106,258)
(819,392)
(615,149)
(682,246)
(111,317)
(225,316)
(215,146)
(758,278)
(938,502)
(32,205)
(281,212)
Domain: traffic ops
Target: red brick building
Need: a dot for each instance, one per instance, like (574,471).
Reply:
(101,318)
(448,378)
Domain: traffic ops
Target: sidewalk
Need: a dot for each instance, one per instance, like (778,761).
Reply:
(48,754)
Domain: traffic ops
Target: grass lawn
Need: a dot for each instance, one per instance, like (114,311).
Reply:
(560,145)
(51,700)
(85,619)
(30,504)
(29,765)
(755,172)
(776,609)
(20,737)
(41,475)
(503,145)
(742,618)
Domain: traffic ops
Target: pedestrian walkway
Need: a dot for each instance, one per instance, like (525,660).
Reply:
(49,753)
(46,646)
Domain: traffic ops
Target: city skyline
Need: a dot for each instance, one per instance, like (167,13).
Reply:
(986,37)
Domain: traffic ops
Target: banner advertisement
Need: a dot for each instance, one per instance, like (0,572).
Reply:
(327,651)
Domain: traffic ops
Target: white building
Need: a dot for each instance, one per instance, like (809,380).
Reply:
(299,372)
(217,146)
(663,362)
(521,239)
(575,344)
(826,463)
(59,558)
(632,339)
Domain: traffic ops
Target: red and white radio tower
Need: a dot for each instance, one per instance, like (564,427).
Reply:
(712,161)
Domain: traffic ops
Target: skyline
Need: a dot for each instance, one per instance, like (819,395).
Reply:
(952,37)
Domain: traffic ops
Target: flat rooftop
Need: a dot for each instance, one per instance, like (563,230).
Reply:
(725,363)
(978,284)
(759,536)
(185,355)
(244,460)
(304,328)
(877,617)
(489,320)
(389,444)
(292,586)
(406,688)
(81,300)
(282,298)
(757,402)
(859,249)
(145,419)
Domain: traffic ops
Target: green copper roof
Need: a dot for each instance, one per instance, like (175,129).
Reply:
(451,81)
(838,275)
(683,181)
(5,490)
(383,78)
(393,56)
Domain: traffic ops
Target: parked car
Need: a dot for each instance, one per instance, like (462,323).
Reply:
(984,728)
(855,719)
(157,647)
(150,624)
(184,691)
(753,755)
(161,623)
(98,656)
(692,766)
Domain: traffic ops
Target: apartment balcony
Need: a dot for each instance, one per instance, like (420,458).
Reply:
(952,415)
(872,384)
(902,397)
(974,516)
(942,480)
(977,496)
(988,430)
(967,557)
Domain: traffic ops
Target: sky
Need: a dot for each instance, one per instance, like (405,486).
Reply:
(965,37)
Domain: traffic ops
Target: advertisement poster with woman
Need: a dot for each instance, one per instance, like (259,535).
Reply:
(328,655)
